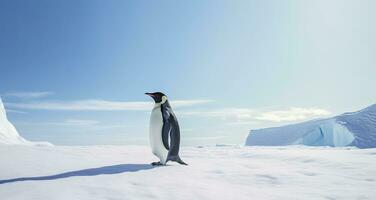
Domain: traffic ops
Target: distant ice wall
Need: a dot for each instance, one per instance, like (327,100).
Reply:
(349,129)
(328,133)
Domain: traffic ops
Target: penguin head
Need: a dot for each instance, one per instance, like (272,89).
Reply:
(158,97)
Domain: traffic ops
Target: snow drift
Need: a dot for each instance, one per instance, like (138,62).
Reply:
(349,129)
(8,133)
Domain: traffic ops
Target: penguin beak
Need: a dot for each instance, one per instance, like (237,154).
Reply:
(149,94)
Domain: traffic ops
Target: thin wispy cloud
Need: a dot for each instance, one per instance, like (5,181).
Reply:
(15,111)
(28,95)
(100,105)
(186,103)
(292,114)
(79,122)
(75,126)
(248,116)
(66,122)
(200,138)
(224,113)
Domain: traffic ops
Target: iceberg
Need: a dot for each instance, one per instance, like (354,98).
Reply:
(349,129)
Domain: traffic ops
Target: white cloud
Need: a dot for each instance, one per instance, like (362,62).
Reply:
(200,138)
(225,113)
(249,116)
(79,122)
(186,103)
(99,105)
(67,122)
(15,111)
(292,114)
(28,95)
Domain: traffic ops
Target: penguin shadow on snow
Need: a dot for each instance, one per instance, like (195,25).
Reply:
(106,170)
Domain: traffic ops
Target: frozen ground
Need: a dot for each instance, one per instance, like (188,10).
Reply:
(123,172)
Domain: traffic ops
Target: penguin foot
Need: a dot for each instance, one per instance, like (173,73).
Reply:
(156,163)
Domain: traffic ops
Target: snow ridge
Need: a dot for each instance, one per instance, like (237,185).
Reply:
(8,133)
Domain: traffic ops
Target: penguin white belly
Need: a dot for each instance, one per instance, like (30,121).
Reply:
(156,142)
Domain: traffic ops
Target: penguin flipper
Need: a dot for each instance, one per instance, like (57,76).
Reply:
(166,128)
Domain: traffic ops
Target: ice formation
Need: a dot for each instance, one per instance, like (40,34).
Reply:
(349,129)
(8,133)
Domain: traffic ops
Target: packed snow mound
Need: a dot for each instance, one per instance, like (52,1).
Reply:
(8,133)
(349,129)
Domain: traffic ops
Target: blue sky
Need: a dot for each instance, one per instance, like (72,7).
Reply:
(75,72)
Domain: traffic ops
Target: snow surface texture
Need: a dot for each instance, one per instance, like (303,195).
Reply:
(8,133)
(123,172)
(349,129)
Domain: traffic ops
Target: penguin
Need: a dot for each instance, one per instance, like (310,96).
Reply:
(164,131)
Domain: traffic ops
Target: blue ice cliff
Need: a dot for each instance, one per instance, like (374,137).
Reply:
(349,129)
